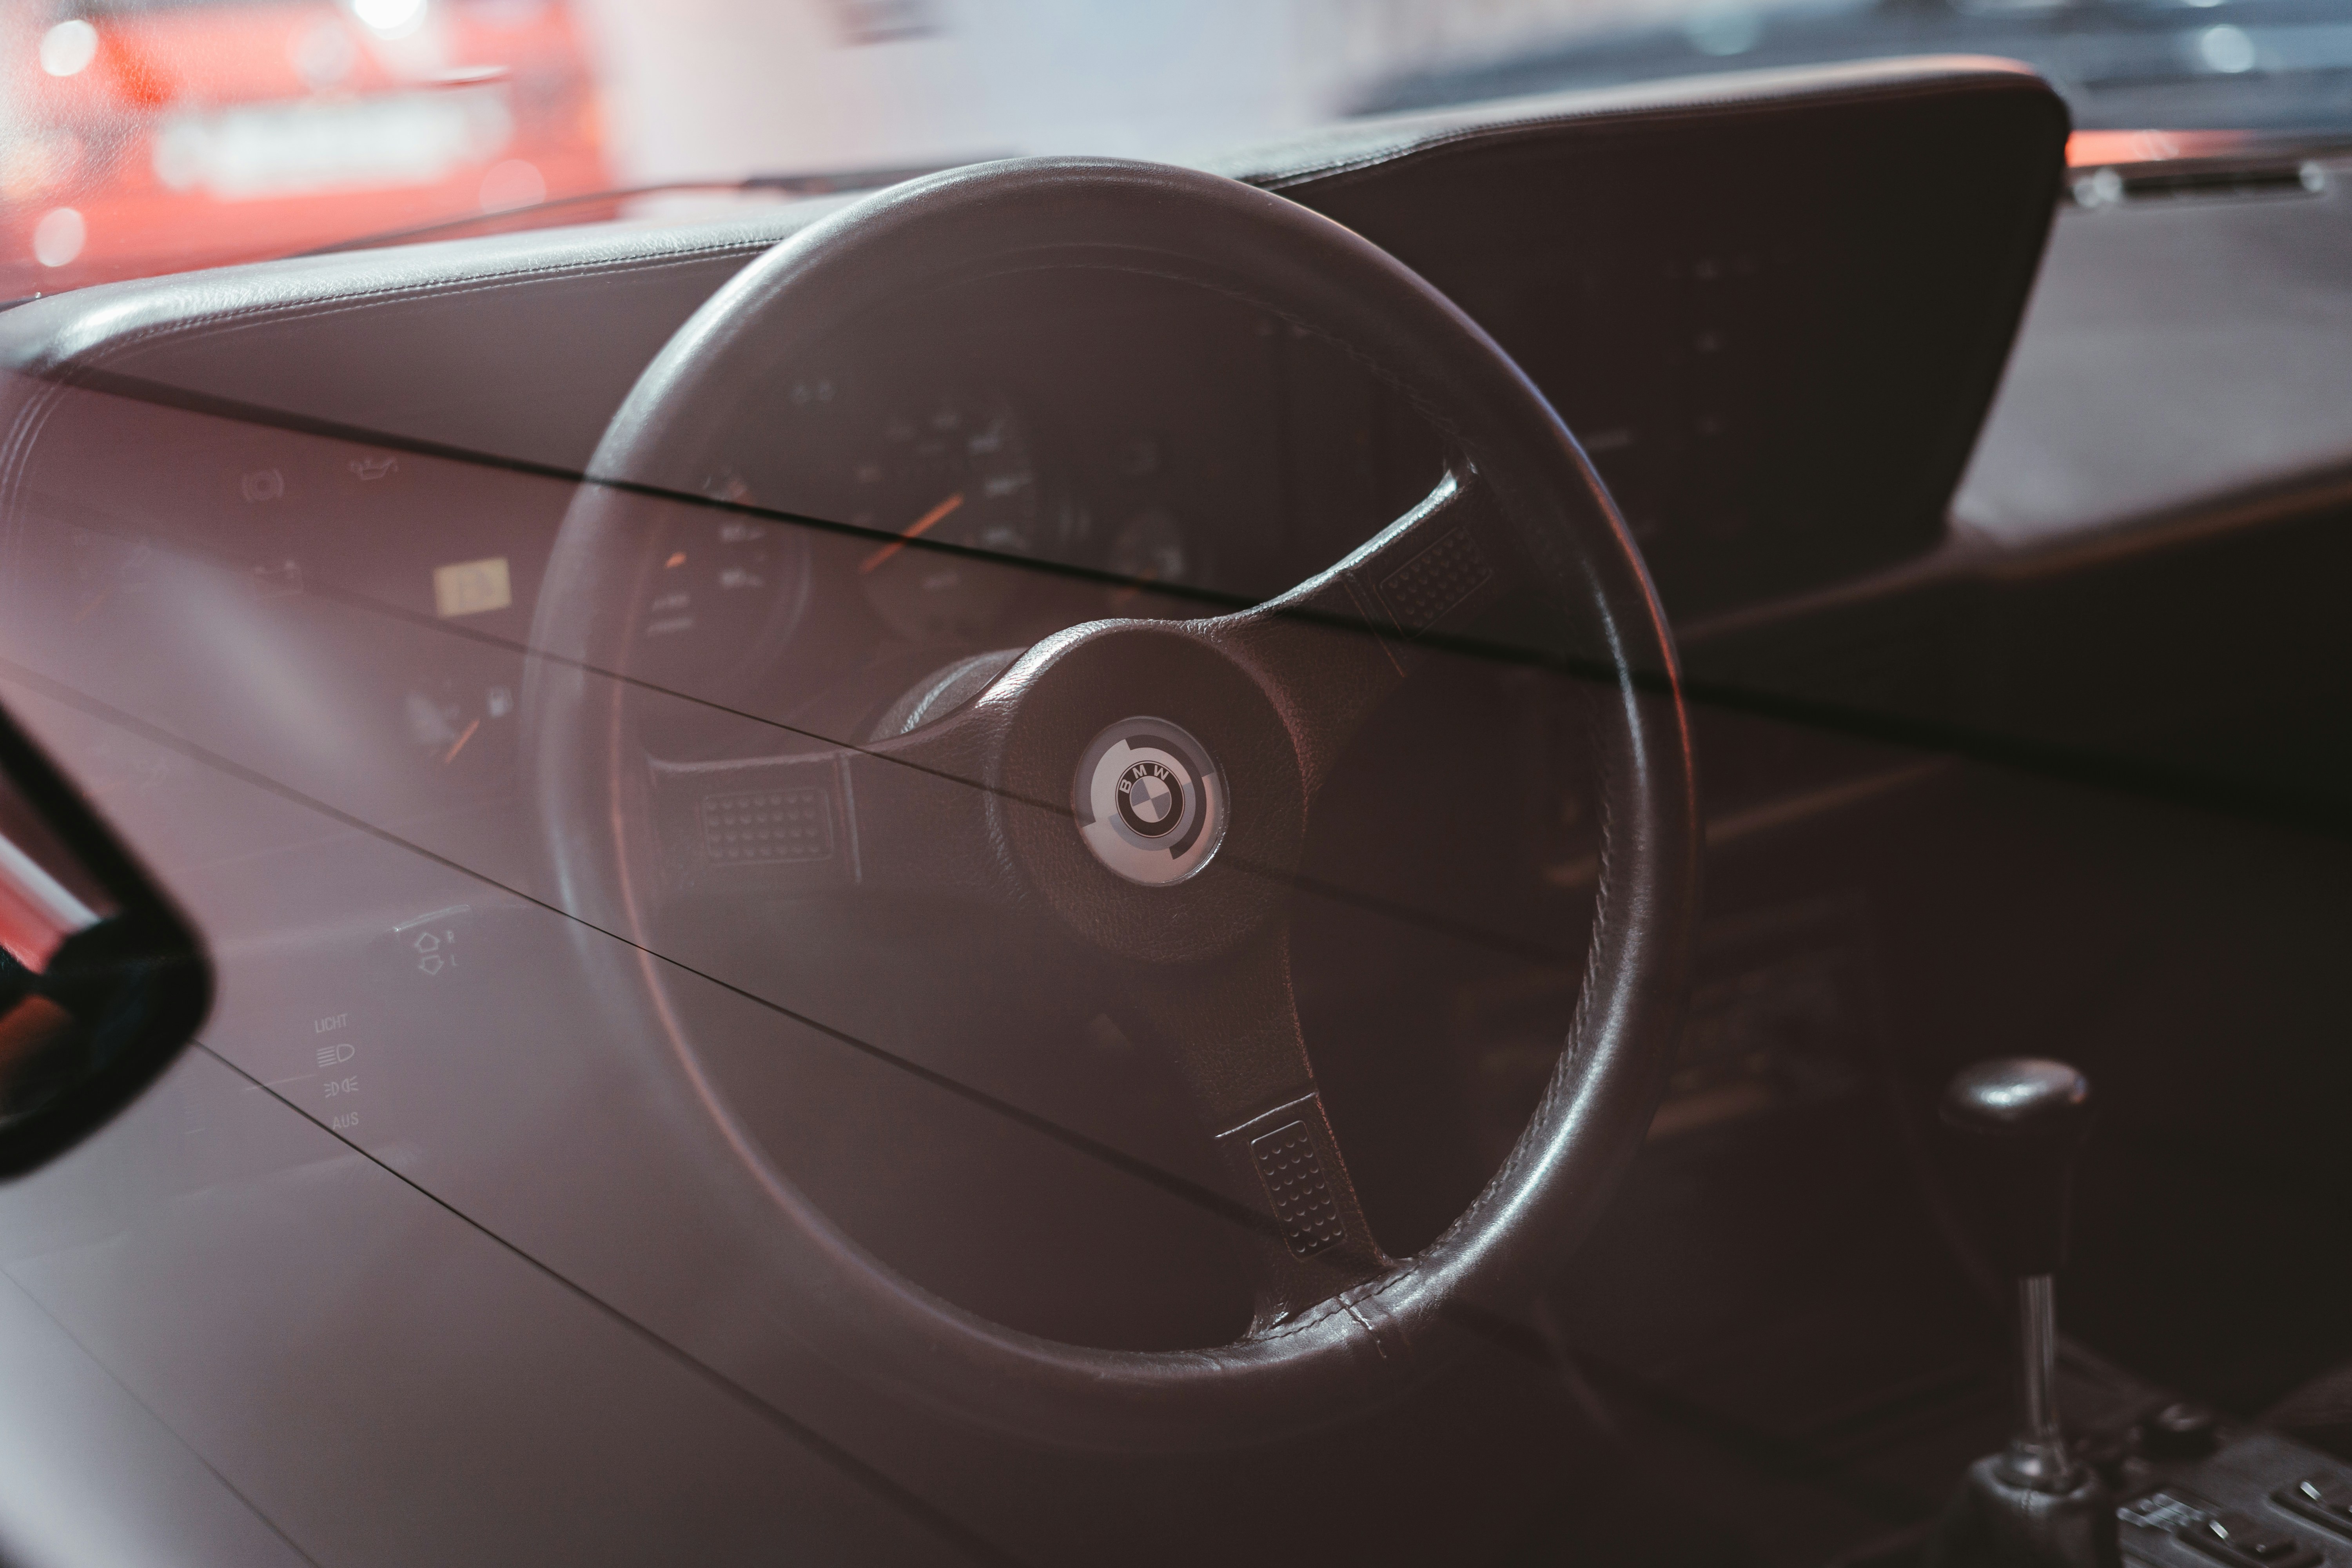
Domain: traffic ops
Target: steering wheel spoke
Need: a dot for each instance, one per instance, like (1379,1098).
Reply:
(1338,643)
(910,815)
(1232,1027)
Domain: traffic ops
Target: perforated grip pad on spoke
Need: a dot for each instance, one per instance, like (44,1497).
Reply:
(1441,578)
(1304,1205)
(768,825)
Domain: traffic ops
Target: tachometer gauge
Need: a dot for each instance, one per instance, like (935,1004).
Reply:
(951,470)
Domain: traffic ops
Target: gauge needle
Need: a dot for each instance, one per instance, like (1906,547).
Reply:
(451,755)
(914,530)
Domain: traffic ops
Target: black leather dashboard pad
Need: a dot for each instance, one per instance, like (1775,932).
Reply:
(1774,307)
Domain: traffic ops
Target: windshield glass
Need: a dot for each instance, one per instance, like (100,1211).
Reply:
(143,136)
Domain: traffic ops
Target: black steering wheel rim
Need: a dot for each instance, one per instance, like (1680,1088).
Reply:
(1362,1345)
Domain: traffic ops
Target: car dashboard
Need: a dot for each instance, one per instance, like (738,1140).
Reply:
(277,536)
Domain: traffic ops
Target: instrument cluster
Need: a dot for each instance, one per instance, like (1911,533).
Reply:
(940,483)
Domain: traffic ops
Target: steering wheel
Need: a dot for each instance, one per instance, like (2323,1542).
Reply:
(1144,786)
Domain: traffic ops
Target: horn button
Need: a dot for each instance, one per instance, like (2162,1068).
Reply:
(1148,801)
(1168,833)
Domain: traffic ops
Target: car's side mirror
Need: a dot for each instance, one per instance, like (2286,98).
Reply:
(102,980)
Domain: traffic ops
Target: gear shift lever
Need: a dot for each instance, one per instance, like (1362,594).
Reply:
(2019,1122)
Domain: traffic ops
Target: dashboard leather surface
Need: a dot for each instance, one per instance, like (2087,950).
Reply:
(1774,307)
(518,347)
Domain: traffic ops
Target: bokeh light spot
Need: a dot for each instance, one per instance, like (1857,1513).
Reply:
(57,239)
(68,46)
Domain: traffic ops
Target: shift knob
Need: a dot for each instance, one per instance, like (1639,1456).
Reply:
(2019,1122)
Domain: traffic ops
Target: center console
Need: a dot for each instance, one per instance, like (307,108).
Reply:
(2171,1486)
(2256,1500)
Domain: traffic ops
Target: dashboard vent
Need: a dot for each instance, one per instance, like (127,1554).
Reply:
(2191,180)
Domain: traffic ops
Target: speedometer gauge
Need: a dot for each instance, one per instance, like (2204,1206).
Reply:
(951,470)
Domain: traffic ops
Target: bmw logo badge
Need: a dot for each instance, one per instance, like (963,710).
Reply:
(1150,802)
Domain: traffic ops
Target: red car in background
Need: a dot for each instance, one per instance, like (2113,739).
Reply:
(137,138)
